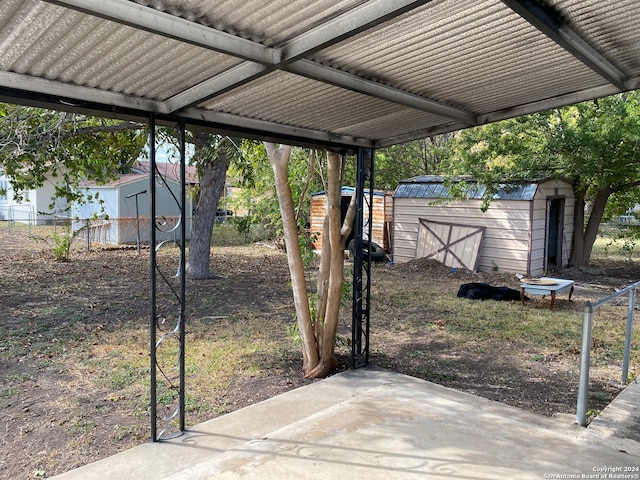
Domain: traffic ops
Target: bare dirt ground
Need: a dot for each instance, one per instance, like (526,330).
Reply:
(71,391)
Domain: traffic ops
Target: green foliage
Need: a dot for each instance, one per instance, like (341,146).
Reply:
(212,147)
(347,287)
(62,247)
(37,144)
(252,172)
(604,397)
(293,332)
(228,233)
(306,249)
(8,392)
(593,144)
(242,224)
(620,202)
(419,157)
(618,242)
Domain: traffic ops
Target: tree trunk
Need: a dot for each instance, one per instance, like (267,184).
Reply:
(577,248)
(595,218)
(332,276)
(584,238)
(319,337)
(279,159)
(323,281)
(212,181)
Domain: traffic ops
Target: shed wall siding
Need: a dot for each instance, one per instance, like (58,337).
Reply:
(546,191)
(506,240)
(35,207)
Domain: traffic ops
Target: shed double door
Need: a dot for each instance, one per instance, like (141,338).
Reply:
(452,244)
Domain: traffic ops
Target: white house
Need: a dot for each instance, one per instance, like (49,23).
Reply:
(35,206)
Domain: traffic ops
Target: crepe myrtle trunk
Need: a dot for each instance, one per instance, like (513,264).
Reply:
(331,273)
(213,173)
(318,334)
(279,160)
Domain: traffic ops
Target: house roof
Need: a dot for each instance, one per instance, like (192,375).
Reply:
(122,180)
(431,186)
(337,73)
(169,170)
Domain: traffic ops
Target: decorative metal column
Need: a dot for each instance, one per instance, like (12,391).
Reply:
(362,227)
(167,322)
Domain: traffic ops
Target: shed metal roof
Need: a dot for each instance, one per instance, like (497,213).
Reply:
(340,73)
(429,186)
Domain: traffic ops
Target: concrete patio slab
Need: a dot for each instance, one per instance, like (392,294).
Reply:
(618,425)
(370,424)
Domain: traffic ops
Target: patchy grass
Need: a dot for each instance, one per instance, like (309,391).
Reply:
(229,233)
(438,310)
(521,355)
(617,244)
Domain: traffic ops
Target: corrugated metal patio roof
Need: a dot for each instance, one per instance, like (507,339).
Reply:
(341,73)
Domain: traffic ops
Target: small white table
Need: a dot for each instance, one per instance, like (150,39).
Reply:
(546,286)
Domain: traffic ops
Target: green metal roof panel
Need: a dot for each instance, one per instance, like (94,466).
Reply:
(434,187)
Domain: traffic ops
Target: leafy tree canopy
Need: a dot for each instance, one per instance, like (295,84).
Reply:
(252,172)
(36,144)
(419,157)
(594,145)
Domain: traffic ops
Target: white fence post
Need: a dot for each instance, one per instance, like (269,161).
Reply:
(585,359)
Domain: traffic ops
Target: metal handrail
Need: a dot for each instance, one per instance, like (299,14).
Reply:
(585,350)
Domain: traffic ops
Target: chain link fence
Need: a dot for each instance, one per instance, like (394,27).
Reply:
(20,232)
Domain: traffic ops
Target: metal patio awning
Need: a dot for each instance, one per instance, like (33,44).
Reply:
(339,73)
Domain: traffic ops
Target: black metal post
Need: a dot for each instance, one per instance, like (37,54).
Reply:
(152,276)
(367,294)
(88,230)
(167,316)
(182,273)
(356,312)
(361,263)
(137,226)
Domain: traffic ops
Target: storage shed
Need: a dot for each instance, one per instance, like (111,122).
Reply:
(527,229)
(382,214)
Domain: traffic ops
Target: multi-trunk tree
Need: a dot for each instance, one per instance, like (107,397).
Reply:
(318,325)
